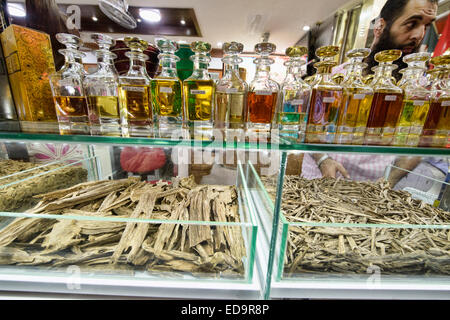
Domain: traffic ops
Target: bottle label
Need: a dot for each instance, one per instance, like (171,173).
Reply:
(135,89)
(359,96)
(197,91)
(390,98)
(418,103)
(263,93)
(445,103)
(165,89)
(329,99)
(296,102)
(227,90)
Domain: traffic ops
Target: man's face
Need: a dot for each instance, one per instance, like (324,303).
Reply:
(407,31)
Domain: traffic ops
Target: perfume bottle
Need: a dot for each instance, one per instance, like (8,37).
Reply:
(416,100)
(326,99)
(292,114)
(102,90)
(198,90)
(387,100)
(263,91)
(167,98)
(134,92)
(436,130)
(231,90)
(354,112)
(68,91)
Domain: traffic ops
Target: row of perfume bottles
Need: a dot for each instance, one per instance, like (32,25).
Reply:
(375,110)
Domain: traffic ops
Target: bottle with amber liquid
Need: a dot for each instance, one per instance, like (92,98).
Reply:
(358,96)
(68,91)
(263,91)
(198,91)
(134,92)
(102,90)
(292,113)
(416,100)
(167,97)
(231,90)
(387,101)
(326,99)
(436,130)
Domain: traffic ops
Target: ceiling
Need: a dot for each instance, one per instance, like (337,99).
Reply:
(230,20)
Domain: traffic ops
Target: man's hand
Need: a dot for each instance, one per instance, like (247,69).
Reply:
(330,167)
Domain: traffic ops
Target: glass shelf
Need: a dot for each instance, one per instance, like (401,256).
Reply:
(277,144)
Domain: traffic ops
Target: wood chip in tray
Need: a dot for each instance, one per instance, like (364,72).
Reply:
(108,246)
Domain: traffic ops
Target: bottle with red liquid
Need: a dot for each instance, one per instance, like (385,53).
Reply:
(326,99)
(263,91)
(436,130)
(387,101)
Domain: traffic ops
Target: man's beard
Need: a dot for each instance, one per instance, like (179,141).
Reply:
(385,43)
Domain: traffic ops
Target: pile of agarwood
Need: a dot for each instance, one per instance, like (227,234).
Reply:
(20,181)
(353,250)
(109,246)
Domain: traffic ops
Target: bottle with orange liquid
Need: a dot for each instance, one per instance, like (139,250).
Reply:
(354,112)
(263,91)
(387,101)
(436,130)
(326,99)
(416,100)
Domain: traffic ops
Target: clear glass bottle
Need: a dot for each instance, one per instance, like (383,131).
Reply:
(436,130)
(134,92)
(292,114)
(326,99)
(68,91)
(263,91)
(167,97)
(198,90)
(416,100)
(231,90)
(387,100)
(102,90)
(354,112)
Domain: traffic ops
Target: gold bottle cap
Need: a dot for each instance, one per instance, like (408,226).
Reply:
(327,51)
(201,47)
(368,79)
(417,57)
(388,56)
(358,53)
(296,51)
(441,60)
(136,44)
(265,48)
(232,48)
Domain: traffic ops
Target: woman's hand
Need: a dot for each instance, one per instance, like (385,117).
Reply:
(330,167)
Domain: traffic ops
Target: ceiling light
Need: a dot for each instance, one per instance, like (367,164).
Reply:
(306,28)
(95,19)
(139,20)
(151,15)
(183,22)
(219,44)
(16,10)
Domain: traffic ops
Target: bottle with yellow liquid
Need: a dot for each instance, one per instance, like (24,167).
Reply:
(134,92)
(416,100)
(387,100)
(231,90)
(68,90)
(167,98)
(358,96)
(102,90)
(198,90)
(292,114)
(326,99)
(436,130)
